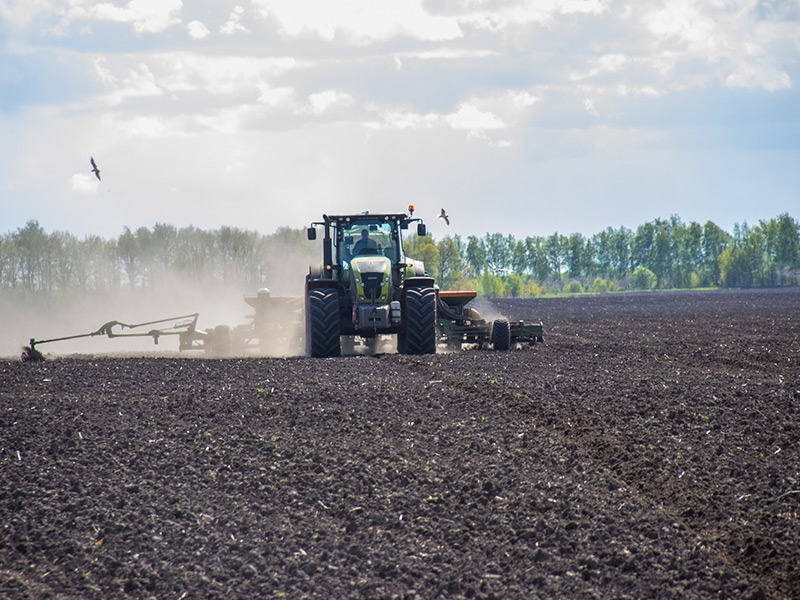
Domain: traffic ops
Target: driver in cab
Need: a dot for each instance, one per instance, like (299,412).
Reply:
(364,243)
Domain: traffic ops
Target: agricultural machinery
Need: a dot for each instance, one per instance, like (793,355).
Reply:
(365,292)
(367,287)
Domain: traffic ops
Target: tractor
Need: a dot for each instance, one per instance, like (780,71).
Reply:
(366,287)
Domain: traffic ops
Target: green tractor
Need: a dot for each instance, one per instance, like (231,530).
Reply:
(366,287)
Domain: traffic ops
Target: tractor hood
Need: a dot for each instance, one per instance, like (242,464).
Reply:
(370,278)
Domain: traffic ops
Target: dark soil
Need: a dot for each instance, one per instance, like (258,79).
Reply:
(650,449)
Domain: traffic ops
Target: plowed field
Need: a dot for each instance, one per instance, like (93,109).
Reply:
(649,449)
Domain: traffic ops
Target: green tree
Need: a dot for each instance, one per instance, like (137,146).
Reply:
(601,242)
(490,285)
(787,246)
(29,249)
(475,254)
(662,252)
(513,285)
(714,242)
(643,278)
(450,265)
(423,248)
(537,259)
(498,251)
(621,251)
(128,251)
(574,254)
(554,249)
(519,257)
(742,263)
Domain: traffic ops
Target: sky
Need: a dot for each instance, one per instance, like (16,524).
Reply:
(518,117)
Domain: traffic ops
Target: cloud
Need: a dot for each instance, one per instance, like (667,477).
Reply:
(749,76)
(778,10)
(196,30)
(725,37)
(138,82)
(21,12)
(359,21)
(84,183)
(588,104)
(469,118)
(146,16)
(234,23)
(323,102)
(276,97)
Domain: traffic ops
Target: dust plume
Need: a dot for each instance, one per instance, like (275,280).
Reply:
(173,293)
(486,308)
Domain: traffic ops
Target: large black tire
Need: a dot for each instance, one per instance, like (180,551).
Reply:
(322,323)
(419,318)
(501,334)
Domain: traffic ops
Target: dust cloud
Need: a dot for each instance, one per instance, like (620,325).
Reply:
(218,303)
(486,308)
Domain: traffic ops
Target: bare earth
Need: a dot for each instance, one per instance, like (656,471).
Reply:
(650,449)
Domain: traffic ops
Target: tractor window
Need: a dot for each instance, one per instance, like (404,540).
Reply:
(367,238)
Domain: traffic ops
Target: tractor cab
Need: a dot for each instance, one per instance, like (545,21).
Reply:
(367,238)
(365,242)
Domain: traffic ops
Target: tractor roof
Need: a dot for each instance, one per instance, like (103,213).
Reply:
(367,217)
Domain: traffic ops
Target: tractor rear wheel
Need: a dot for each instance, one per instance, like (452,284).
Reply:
(501,334)
(322,323)
(419,331)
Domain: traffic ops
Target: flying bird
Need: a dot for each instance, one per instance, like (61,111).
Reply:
(95,170)
(443,215)
(499,270)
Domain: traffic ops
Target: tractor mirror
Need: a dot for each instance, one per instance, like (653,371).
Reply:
(312,233)
(421,229)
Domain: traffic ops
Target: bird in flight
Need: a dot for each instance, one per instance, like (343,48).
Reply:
(443,215)
(95,170)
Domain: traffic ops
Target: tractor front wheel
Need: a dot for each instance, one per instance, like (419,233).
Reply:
(419,330)
(322,323)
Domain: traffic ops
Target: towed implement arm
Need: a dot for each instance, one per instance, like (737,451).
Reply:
(184,325)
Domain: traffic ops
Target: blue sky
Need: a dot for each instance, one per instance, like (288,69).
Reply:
(520,117)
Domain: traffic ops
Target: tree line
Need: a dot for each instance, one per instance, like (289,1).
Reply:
(61,264)
(664,253)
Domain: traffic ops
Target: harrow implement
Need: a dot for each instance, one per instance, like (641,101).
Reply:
(184,326)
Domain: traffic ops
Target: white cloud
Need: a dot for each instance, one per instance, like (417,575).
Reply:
(137,126)
(197,30)
(748,76)
(323,102)
(505,16)
(723,35)
(146,16)
(398,119)
(468,117)
(21,12)
(359,21)
(84,183)
(137,83)
(234,23)
(186,72)
(276,97)
(588,104)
